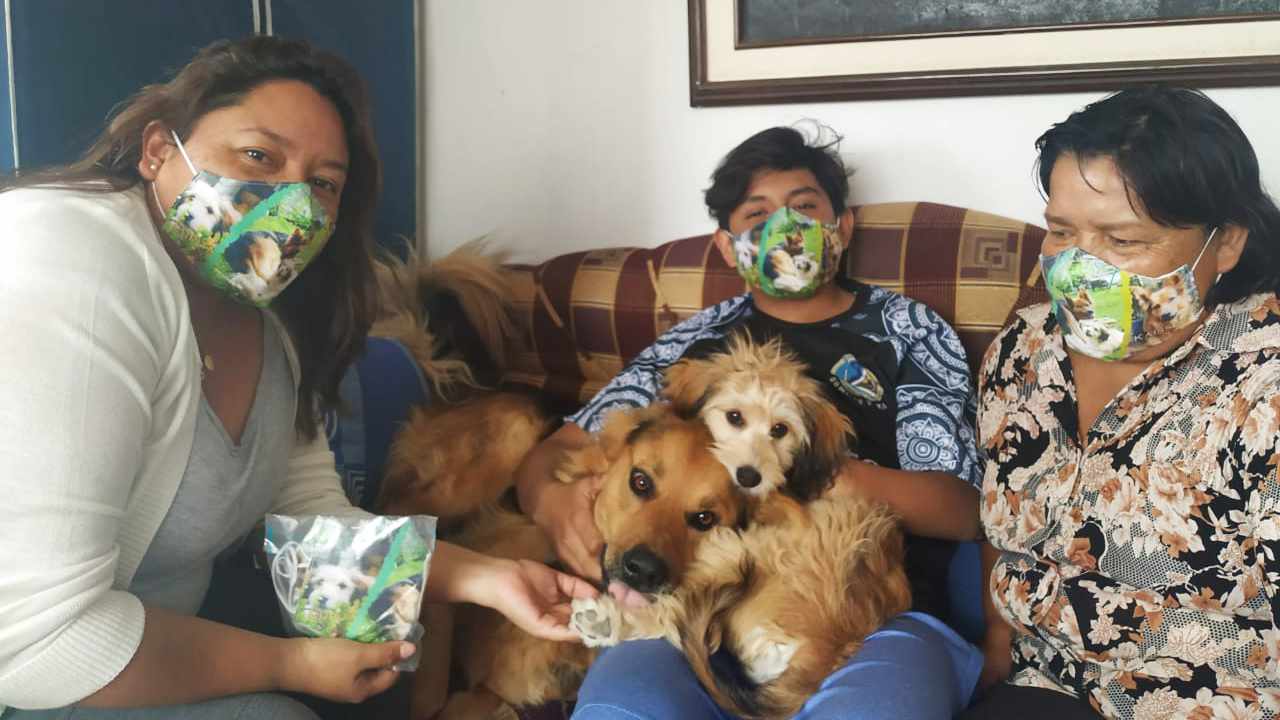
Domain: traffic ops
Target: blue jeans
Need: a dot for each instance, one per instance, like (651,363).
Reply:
(915,668)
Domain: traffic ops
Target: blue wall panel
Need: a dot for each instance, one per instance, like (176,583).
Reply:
(6,131)
(377,38)
(74,60)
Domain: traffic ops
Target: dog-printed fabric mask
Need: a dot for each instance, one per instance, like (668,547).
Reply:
(247,239)
(789,255)
(1109,313)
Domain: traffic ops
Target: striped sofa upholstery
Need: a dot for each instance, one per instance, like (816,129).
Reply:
(586,314)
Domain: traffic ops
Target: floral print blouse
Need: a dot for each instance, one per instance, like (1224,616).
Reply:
(1139,571)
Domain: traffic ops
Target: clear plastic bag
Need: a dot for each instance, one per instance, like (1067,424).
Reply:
(356,578)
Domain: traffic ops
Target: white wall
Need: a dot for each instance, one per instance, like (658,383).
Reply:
(561,125)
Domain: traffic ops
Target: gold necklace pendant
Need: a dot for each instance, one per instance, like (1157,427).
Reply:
(207,365)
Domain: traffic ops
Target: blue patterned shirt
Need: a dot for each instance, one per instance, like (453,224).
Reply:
(914,355)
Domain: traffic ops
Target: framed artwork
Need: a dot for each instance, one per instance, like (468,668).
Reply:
(772,51)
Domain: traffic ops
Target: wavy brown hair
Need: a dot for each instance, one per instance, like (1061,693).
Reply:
(330,307)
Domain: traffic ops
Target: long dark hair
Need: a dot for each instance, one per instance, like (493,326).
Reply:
(1188,163)
(330,307)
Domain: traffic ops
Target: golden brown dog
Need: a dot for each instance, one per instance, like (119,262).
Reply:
(454,315)
(451,460)
(786,602)
(663,491)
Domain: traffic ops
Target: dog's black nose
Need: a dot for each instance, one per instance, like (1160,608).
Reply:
(748,477)
(643,570)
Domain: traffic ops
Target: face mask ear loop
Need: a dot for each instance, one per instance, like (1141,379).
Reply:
(1203,248)
(186,157)
(156,195)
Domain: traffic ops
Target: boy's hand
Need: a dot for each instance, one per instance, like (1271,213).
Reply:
(565,511)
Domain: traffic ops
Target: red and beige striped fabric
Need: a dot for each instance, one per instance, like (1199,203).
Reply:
(586,314)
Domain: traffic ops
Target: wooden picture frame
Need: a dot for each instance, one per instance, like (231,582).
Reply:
(1217,52)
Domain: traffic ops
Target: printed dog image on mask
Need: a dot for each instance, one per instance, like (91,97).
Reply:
(261,259)
(746,251)
(1081,305)
(1164,307)
(1087,332)
(788,272)
(203,209)
(1102,335)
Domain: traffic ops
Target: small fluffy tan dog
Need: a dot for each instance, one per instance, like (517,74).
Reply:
(774,428)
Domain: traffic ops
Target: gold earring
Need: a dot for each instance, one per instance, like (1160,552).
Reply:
(153,166)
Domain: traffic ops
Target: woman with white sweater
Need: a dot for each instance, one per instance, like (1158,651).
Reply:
(159,394)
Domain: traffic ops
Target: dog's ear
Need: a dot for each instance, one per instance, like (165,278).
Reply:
(688,384)
(623,425)
(814,468)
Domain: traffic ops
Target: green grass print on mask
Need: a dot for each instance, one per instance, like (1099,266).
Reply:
(1093,301)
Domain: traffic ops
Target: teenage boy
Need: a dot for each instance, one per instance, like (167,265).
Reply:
(894,367)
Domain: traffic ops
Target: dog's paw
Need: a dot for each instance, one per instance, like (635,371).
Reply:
(596,620)
(765,658)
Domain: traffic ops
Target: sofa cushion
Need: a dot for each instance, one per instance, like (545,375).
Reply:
(377,394)
(586,314)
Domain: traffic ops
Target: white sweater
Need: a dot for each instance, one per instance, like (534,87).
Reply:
(99,387)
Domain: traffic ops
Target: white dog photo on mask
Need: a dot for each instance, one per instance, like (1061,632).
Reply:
(746,252)
(203,209)
(331,586)
(791,273)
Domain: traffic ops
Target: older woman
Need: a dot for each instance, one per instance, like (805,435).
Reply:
(1132,427)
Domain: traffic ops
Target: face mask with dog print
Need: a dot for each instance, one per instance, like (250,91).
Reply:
(247,239)
(789,255)
(1109,313)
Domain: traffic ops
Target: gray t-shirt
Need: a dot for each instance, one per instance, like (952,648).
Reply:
(226,489)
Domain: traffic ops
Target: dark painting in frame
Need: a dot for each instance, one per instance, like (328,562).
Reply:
(1115,44)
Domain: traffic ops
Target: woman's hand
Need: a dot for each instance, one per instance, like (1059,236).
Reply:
(341,670)
(531,595)
(536,598)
